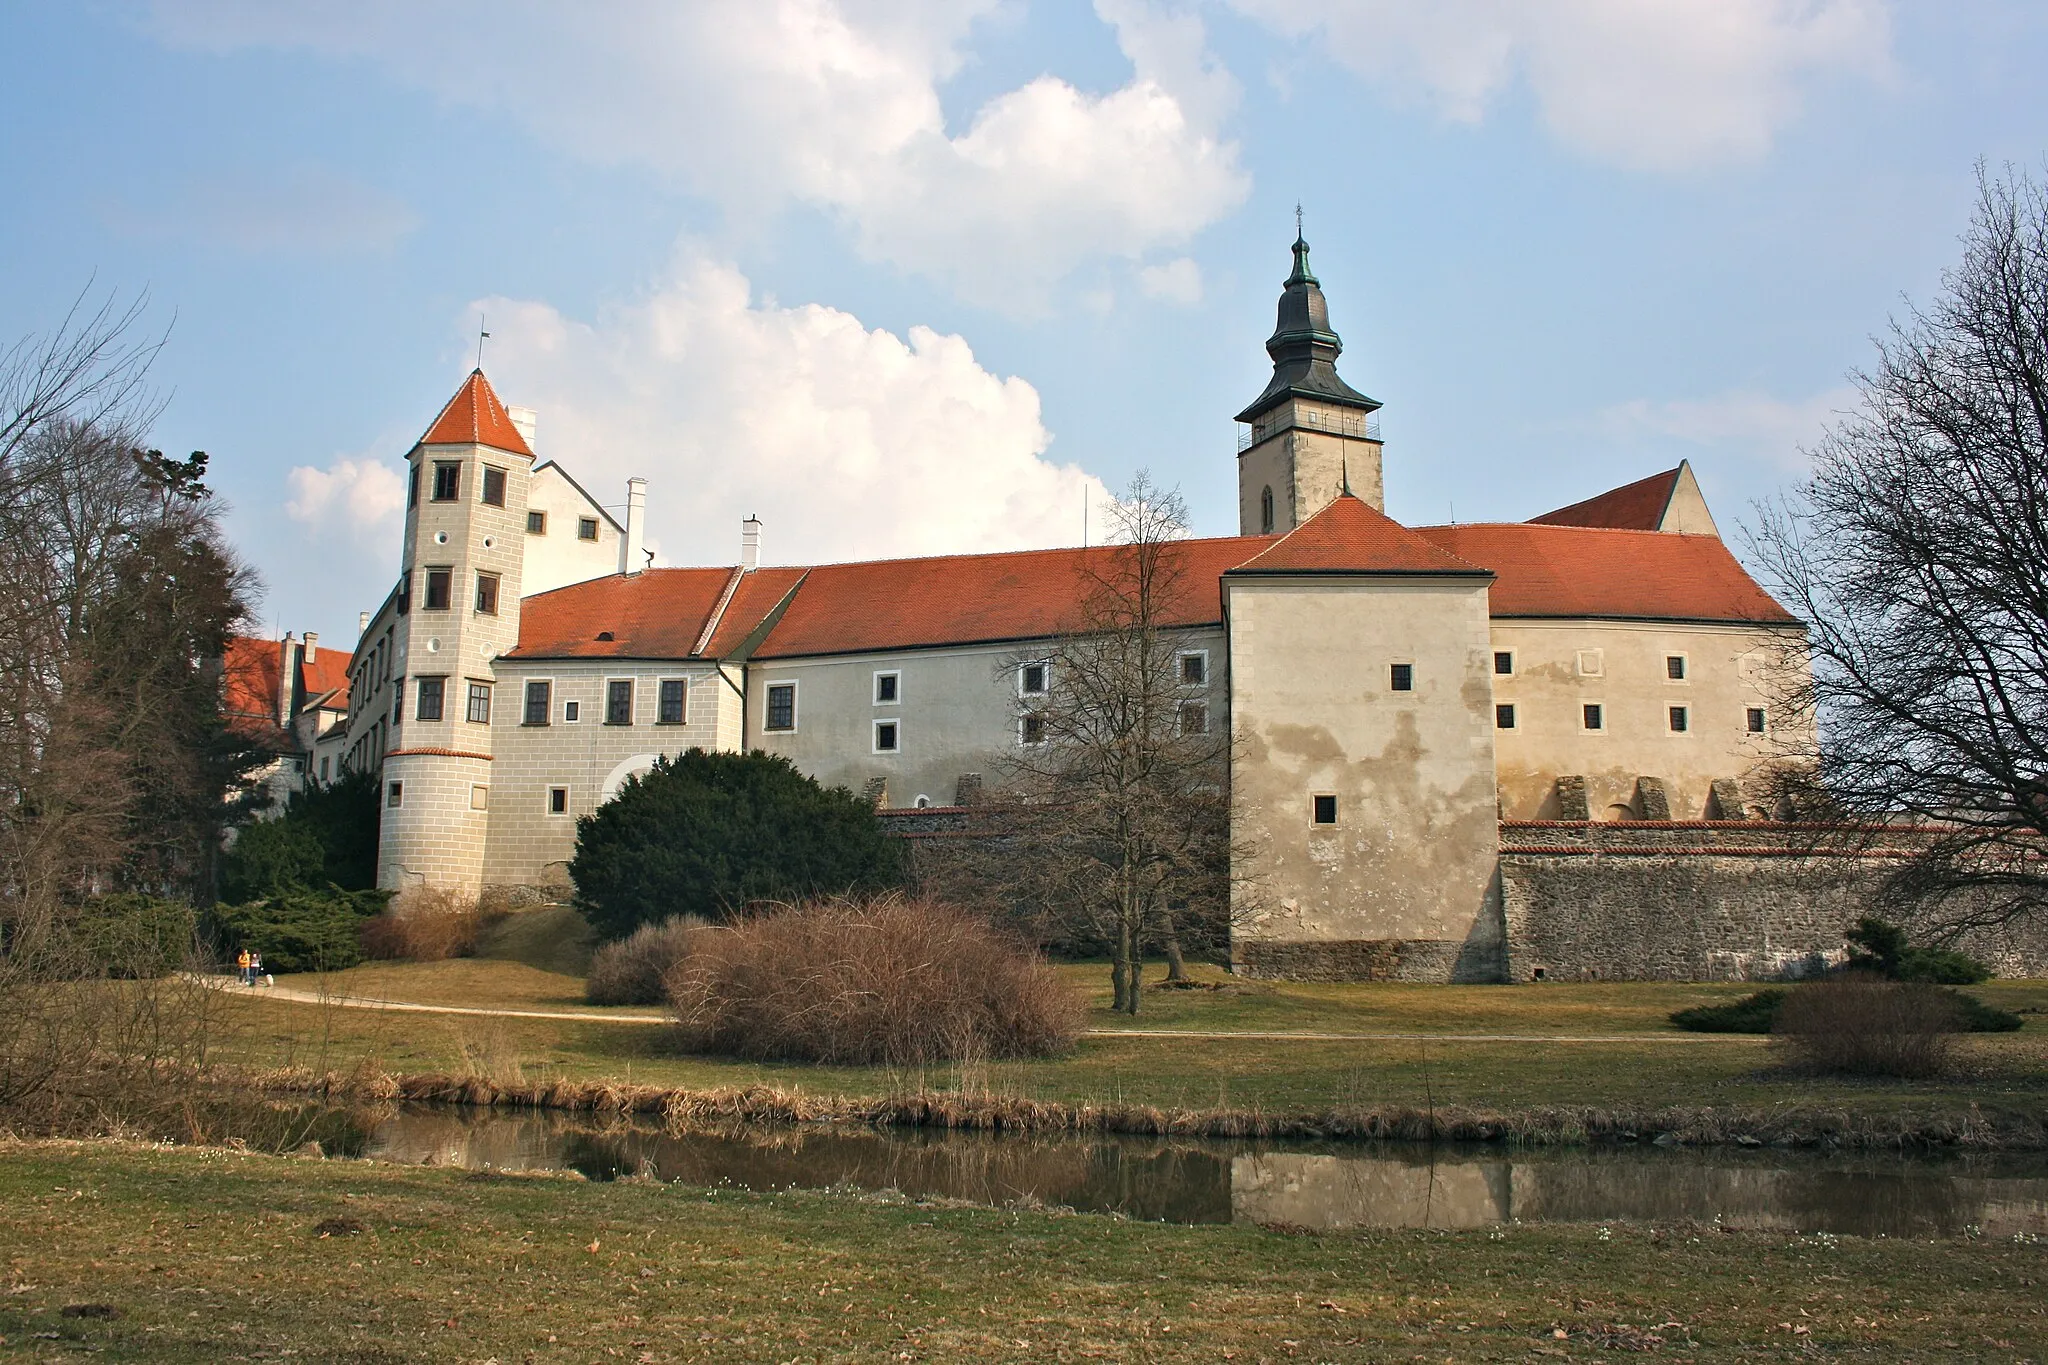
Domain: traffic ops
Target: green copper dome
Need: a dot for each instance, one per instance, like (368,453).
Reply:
(1303,347)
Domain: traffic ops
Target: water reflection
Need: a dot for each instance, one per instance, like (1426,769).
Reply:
(1297,1184)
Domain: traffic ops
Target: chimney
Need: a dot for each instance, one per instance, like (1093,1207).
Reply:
(312,645)
(284,680)
(523,418)
(630,558)
(750,544)
(362,625)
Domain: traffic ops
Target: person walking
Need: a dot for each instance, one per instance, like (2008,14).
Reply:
(255,967)
(242,961)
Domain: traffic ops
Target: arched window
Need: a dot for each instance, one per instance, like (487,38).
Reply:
(1266,510)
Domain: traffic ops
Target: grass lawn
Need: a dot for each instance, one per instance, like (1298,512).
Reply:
(201,1256)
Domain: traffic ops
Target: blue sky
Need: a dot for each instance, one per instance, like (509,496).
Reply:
(909,277)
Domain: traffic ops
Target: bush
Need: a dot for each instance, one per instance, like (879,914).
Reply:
(632,970)
(1750,1014)
(1878,947)
(134,936)
(859,981)
(706,834)
(430,924)
(327,836)
(1864,1026)
(300,931)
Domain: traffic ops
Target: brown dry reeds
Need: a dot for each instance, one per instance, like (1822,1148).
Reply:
(632,970)
(892,980)
(1864,1026)
(430,924)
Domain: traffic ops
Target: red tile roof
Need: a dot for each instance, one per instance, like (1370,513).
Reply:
(656,614)
(475,416)
(1572,571)
(327,671)
(1350,537)
(1637,506)
(248,686)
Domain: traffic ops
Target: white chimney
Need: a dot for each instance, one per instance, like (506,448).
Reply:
(523,419)
(362,624)
(750,544)
(312,645)
(631,560)
(285,648)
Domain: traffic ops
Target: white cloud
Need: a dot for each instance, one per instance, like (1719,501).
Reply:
(360,498)
(300,209)
(1660,86)
(1177,281)
(1770,428)
(849,442)
(831,103)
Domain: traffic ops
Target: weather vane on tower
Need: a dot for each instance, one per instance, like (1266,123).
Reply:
(481,337)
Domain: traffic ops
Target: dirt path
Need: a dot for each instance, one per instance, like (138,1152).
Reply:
(357,1002)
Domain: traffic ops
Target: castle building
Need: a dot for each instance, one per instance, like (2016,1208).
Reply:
(1393,693)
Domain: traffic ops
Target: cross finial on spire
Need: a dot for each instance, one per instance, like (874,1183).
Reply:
(1297,219)
(481,337)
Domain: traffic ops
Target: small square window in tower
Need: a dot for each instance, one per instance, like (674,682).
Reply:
(618,702)
(538,695)
(1680,720)
(487,594)
(1031,729)
(888,736)
(431,692)
(1504,716)
(558,800)
(586,528)
(394,795)
(494,487)
(1194,668)
(1194,718)
(780,712)
(479,712)
(1756,720)
(1032,679)
(447,480)
(888,688)
(412,488)
(1404,677)
(536,523)
(440,587)
(1674,667)
(1593,716)
(669,703)
(1504,662)
(1323,808)
(572,711)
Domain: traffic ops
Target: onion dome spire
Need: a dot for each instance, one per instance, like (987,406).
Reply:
(1303,347)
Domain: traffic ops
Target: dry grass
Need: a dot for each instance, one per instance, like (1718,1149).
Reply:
(430,924)
(632,971)
(890,980)
(1865,1026)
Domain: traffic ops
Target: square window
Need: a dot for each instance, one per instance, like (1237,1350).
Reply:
(1504,662)
(479,703)
(1679,720)
(440,586)
(618,702)
(886,736)
(394,795)
(487,594)
(431,691)
(1194,718)
(1404,677)
(537,697)
(1504,716)
(558,800)
(572,711)
(494,486)
(1756,720)
(888,688)
(412,488)
(1592,716)
(1323,808)
(1674,667)
(536,523)
(479,798)
(781,709)
(1194,669)
(447,480)
(668,708)
(586,528)
(1033,678)
(1031,730)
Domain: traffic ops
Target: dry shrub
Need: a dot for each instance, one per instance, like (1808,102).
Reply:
(1865,1026)
(632,970)
(428,924)
(891,979)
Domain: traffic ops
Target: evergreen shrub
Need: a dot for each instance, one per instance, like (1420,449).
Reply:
(300,931)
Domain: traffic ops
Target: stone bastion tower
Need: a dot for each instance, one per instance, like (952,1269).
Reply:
(458,611)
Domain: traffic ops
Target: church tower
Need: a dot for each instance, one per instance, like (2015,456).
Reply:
(458,610)
(1310,432)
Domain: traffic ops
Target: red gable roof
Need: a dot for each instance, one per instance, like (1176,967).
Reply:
(1350,537)
(475,416)
(1552,570)
(1637,506)
(326,672)
(654,614)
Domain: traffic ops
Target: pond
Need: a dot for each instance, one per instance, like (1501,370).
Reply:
(1296,1184)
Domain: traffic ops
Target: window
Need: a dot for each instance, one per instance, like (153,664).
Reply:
(618,702)
(494,486)
(1756,720)
(781,711)
(669,703)
(558,800)
(398,704)
(1504,716)
(487,594)
(1404,677)
(430,692)
(1032,679)
(1031,730)
(412,488)
(1194,718)
(1680,721)
(572,711)
(888,688)
(479,703)
(447,480)
(323,770)
(1674,667)
(1194,668)
(536,523)
(440,584)
(479,797)
(538,694)
(1592,716)
(1323,808)
(1504,662)
(394,795)
(586,528)
(1266,511)
(888,734)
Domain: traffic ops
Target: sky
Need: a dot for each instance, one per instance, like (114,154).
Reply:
(911,277)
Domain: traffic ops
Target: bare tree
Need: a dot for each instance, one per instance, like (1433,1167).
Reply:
(1116,798)
(1918,553)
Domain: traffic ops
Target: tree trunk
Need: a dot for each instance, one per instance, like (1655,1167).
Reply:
(1134,965)
(1176,965)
